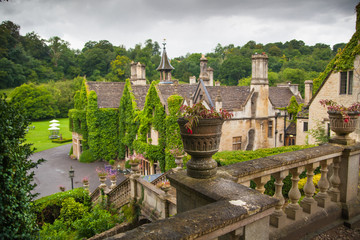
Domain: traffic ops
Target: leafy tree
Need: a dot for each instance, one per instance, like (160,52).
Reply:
(17,218)
(120,69)
(38,102)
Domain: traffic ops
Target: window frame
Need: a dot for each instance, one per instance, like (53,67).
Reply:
(236,143)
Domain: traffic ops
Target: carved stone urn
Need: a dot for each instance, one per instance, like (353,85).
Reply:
(201,144)
(134,167)
(342,127)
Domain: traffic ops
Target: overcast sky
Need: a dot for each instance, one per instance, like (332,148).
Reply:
(188,25)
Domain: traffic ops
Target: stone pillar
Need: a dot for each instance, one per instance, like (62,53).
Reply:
(349,175)
(211,76)
(218,101)
(308,91)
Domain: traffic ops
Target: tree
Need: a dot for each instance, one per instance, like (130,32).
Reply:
(17,218)
(120,69)
(38,102)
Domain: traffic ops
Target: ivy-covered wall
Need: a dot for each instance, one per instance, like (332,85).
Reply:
(152,115)
(109,132)
(344,59)
(128,124)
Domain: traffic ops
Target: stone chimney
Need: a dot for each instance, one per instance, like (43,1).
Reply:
(211,76)
(137,76)
(308,91)
(192,80)
(218,101)
(204,75)
(260,84)
(259,74)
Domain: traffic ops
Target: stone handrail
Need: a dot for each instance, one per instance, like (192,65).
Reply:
(162,177)
(156,203)
(95,194)
(239,208)
(120,195)
(219,206)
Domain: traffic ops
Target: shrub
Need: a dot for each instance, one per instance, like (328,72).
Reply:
(112,162)
(64,140)
(127,164)
(94,222)
(71,211)
(48,208)
(71,150)
(87,156)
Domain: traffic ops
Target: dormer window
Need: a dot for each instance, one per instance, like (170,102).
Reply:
(346,82)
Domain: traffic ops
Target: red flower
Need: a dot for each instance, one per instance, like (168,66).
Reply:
(346,120)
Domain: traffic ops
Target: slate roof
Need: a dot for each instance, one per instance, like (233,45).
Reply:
(233,97)
(184,90)
(280,96)
(140,92)
(108,93)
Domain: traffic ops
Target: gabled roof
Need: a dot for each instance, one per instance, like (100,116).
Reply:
(108,93)
(184,90)
(233,97)
(280,96)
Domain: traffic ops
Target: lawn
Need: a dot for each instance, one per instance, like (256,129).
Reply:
(39,136)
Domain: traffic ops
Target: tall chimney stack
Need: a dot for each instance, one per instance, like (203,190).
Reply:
(308,91)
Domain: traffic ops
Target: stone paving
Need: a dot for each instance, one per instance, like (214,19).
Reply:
(55,171)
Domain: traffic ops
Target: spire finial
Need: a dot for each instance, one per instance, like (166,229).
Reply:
(164,42)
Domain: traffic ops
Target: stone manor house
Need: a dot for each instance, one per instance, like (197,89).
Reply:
(257,122)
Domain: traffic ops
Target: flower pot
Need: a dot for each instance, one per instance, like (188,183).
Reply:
(342,128)
(179,161)
(134,166)
(201,144)
(113,183)
(102,180)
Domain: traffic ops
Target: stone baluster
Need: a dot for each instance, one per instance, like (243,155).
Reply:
(308,203)
(323,197)
(334,191)
(293,210)
(260,183)
(277,219)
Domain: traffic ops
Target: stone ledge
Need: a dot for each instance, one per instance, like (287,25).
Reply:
(241,169)
(198,222)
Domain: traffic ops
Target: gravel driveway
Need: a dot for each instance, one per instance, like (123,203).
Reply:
(55,171)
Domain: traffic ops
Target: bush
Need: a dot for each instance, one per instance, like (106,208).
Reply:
(87,156)
(230,157)
(48,208)
(112,162)
(94,222)
(71,210)
(64,140)
(127,164)
(71,150)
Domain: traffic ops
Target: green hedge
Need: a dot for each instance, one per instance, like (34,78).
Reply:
(230,157)
(48,208)
(87,156)
(64,140)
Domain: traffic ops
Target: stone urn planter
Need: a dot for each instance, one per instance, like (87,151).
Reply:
(201,143)
(178,161)
(342,127)
(102,180)
(134,167)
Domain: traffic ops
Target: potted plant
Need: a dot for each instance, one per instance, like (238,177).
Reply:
(342,120)
(102,173)
(165,186)
(200,130)
(134,161)
(178,154)
(112,176)
(85,182)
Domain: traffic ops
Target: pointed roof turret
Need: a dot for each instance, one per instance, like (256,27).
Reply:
(164,63)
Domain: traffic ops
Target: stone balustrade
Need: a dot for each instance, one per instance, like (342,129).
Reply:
(221,208)
(120,195)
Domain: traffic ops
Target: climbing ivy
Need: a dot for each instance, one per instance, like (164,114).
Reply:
(293,108)
(173,138)
(128,126)
(102,138)
(344,59)
(152,115)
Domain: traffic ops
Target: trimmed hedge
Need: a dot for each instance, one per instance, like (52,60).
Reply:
(64,140)
(230,157)
(87,156)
